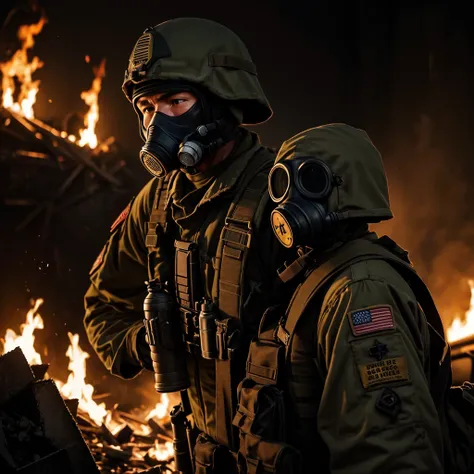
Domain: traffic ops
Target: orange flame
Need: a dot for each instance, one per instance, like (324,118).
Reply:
(90,97)
(460,329)
(161,452)
(26,340)
(76,385)
(20,67)
(161,409)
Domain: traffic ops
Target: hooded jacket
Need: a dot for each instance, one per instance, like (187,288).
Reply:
(359,380)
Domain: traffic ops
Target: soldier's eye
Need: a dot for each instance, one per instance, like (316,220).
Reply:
(178,101)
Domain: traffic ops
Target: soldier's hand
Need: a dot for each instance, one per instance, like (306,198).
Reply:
(143,350)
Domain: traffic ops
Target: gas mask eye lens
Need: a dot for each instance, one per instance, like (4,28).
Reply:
(314,179)
(278,182)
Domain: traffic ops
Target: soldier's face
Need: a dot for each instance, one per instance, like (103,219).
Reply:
(172,104)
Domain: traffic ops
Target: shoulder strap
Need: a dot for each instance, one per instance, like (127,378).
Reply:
(158,219)
(231,258)
(360,250)
(236,237)
(351,253)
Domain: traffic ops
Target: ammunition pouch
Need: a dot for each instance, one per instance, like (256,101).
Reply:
(261,416)
(212,458)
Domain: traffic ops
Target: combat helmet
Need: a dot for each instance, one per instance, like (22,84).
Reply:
(204,53)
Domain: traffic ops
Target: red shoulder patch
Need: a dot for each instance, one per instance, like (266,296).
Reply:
(98,261)
(122,216)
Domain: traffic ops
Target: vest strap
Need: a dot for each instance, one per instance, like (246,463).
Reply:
(232,254)
(158,213)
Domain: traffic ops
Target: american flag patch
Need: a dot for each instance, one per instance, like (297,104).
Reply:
(122,216)
(374,319)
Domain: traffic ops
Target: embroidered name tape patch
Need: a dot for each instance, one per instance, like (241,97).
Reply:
(122,216)
(384,371)
(369,320)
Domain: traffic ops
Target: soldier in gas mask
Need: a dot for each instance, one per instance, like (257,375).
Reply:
(199,229)
(350,376)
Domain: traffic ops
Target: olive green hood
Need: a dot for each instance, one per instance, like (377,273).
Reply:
(349,153)
(202,52)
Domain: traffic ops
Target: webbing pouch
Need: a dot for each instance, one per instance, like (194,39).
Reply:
(261,421)
(212,458)
(257,456)
(261,410)
(187,274)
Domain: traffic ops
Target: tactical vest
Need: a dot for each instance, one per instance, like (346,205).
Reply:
(235,243)
(263,394)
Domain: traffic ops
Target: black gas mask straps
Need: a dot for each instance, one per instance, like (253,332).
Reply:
(301,188)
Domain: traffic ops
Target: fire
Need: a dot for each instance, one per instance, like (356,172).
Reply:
(22,69)
(161,409)
(460,329)
(26,340)
(18,71)
(76,386)
(160,451)
(90,97)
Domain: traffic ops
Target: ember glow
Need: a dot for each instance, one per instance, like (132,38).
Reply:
(462,328)
(91,98)
(161,452)
(21,68)
(161,409)
(76,385)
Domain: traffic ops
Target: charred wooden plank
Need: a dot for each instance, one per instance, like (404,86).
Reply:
(124,435)
(61,428)
(15,374)
(39,370)
(72,405)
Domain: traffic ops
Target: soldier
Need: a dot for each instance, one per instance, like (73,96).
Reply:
(367,367)
(192,84)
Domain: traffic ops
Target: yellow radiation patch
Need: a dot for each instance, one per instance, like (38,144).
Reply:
(384,371)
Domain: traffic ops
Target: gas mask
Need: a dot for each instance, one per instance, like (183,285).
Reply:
(173,142)
(164,136)
(301,188)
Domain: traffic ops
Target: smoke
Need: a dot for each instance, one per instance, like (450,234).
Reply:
(430,196)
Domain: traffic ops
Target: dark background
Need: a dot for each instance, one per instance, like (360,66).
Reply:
(403,71)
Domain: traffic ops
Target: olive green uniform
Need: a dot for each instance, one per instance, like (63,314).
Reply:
(196,209)
(361,355)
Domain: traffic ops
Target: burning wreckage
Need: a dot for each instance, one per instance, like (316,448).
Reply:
(51,426)
(48,425)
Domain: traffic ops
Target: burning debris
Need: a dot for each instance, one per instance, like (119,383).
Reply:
(37,432)
(20,69)
(42,167)
(120,441)
(19,90)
